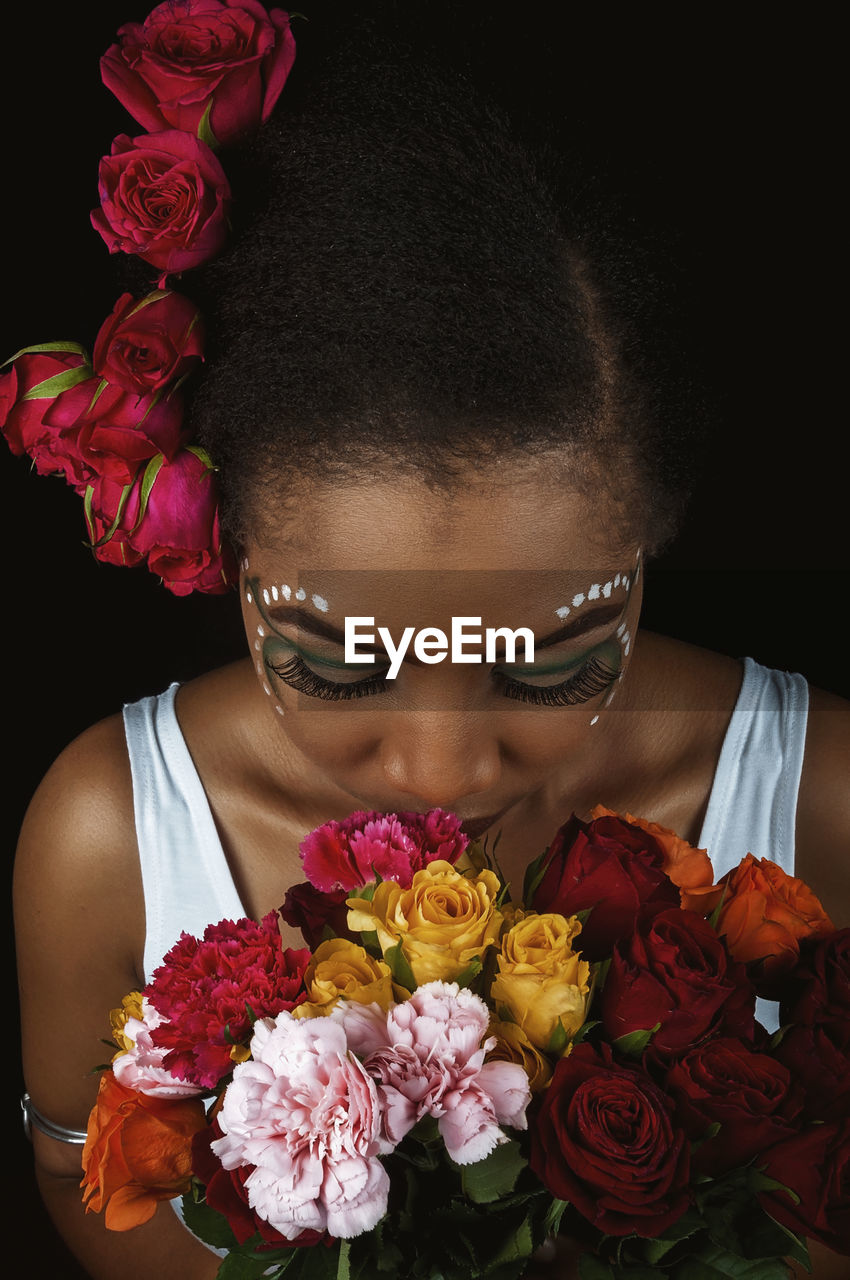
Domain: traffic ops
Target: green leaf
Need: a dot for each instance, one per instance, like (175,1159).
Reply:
(633,1044)
(554,1214)
(399,968)
(495,1176)
(584,1031)
(715,915)
(149,476)
(205,1222)
(52,387)
(719,1264)
(592,1268)
(519,1246)
(343,1267)
(41,347)
(534,873)
(205,133)
(468,975)
(558,1040)
(202,455)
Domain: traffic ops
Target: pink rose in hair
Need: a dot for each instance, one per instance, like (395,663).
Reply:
(305,1113)
(365,845)
(228,57)
(29,392)
(427,1056)
(180,531)
(164,197)
(150,342)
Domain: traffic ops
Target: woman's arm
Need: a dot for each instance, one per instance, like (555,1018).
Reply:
(79,925)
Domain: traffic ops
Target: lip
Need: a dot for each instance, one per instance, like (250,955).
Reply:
(475,827)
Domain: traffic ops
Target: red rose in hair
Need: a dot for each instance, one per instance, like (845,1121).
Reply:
(605,1139)
(112,509)
(750,1095)
(225,1192)
(190,55)
(209,990)
(150,342)
(180,531)
(114,431)
(675,971)
(815,1165)
(29,392)
(165,197)
(610,866)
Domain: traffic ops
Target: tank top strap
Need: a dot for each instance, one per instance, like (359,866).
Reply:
(753,802)
(186,879)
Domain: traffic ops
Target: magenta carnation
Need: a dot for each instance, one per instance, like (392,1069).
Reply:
(367,845)
(210,992)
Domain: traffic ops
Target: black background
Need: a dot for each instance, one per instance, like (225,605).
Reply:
(717,130)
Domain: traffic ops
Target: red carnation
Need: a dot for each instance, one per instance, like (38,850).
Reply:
(345,855)
(212,990)
(314,912)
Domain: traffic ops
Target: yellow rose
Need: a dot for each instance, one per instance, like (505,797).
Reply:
(513,1045)
(443,922)
(131,1007)
(541,982)
(341,968)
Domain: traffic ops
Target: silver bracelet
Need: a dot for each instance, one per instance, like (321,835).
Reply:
(32,1116)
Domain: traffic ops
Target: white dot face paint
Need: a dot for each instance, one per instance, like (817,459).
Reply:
(300,594)
(320,602)
(286,591)
(275,595)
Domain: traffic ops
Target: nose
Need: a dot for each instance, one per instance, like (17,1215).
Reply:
(440,759)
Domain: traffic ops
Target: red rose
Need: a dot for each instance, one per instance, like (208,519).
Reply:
(817,992)
(165,197)
(608,865)
(815,1165)
(821,1067)
(29,392)
(112,509)
(225,1192)
(114,430)
(189,55)
(149,342)
(750,1095)
(180,531)
(675,971)
(605,1140)
(312,912)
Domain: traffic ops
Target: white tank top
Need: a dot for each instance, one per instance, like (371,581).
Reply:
(188,883)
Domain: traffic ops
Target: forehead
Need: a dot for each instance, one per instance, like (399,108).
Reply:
(497,521)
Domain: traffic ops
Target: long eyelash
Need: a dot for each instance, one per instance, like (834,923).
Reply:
(593,678)
(298,675)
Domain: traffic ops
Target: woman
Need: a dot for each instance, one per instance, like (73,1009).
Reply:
(426,403)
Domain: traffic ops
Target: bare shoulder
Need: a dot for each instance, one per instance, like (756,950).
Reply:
(79,922)
(79,829)
(823,810)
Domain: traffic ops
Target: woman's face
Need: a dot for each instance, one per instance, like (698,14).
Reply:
(409,721)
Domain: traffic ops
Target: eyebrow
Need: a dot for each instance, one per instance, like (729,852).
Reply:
(589,620)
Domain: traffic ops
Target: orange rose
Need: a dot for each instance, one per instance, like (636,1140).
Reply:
(689,868)
(766,912)
(138,1151)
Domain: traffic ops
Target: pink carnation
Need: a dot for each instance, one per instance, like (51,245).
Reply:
(141,1067)
(305,1113)
(211,990)
(365,845)
(427,1055)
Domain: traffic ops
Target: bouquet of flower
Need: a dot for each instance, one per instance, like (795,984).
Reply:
(446,1075)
